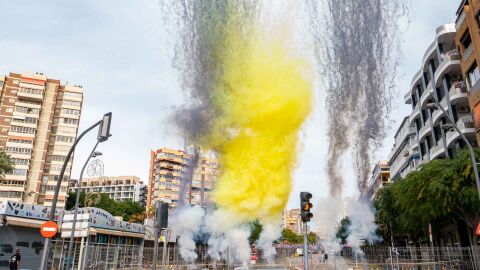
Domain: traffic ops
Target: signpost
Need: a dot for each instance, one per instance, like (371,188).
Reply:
(49,229)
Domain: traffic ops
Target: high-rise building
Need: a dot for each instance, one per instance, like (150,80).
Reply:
(467,41)
(439,77)
(291,220)
(169,168)
(404,156)
(380,178)
(39,120)
(119,188)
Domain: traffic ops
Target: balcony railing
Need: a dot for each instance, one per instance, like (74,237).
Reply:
(467,53)
(460,20)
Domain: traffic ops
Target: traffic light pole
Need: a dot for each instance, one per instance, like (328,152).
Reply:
(305,246)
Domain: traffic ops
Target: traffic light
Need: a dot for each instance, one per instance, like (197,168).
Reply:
(104,130)
(305,206)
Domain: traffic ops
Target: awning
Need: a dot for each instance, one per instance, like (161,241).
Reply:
(119,233)
(25,222)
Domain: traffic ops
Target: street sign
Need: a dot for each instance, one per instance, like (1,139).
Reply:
(67,234)
(49,229)
(478,229)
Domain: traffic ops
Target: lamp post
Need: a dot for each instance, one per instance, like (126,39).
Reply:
(103,135)
(77,200)
(437,105)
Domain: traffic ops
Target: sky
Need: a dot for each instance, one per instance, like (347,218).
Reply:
(121,53)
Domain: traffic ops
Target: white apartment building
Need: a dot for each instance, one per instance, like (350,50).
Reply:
(404,156)
(439,77)
(119,188)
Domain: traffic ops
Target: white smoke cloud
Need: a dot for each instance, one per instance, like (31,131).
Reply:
(187,223)
(270,233)
(330,212)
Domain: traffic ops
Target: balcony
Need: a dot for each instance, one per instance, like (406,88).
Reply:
(407,98)
(460,20)
(426,94)
(424,130)
(437,150)
(465,124)
(415,113)
(437,114)
(30,94)
(449,60)
(458,93)
(467,53)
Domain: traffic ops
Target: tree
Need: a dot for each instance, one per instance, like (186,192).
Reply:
(343,230)
(312,238)
(6,164)
(291,237)
(255,230)
(440,191)
(130,211)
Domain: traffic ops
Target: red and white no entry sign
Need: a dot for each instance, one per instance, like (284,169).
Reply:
(49,229)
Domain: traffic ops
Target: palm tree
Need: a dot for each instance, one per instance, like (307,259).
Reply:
(6,164)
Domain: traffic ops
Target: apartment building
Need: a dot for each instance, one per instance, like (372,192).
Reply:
(169,168)
(404,156)
(439,77)
(467,41)
(380,178)
(291,220)
(119,188)
(39,120)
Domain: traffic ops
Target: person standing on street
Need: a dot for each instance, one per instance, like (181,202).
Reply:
(14,262)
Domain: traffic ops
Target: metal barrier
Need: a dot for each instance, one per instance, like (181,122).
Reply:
(114,256)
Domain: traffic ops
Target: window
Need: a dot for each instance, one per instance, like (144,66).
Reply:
(20,141)
(18,150)
(19,129)
(21,161)
(21,172)
(70,111)
(466,40)
(473,75)
(72,95)
(69,121)
(28,120)
(65,139)
(31,91)
(71,103)
(9,109)
(58,158)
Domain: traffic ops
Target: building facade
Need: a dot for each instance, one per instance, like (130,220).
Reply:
(404,156)
(439,77)
(467,41)
(169,168)
(119,188)
(39,120)
(380,178)
(291,220)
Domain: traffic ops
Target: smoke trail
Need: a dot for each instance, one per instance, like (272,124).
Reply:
(248,96)
(356,48)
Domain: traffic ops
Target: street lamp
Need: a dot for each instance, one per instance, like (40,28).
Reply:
(103,135)
(452,126)
(77,200)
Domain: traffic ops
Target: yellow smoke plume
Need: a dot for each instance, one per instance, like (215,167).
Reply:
(262,97)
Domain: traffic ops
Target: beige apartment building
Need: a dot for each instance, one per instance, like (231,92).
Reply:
(119,188)
(39,120)
(169,167)
(291,220)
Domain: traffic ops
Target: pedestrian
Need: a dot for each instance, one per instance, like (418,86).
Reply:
(14,262)
(326,256)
